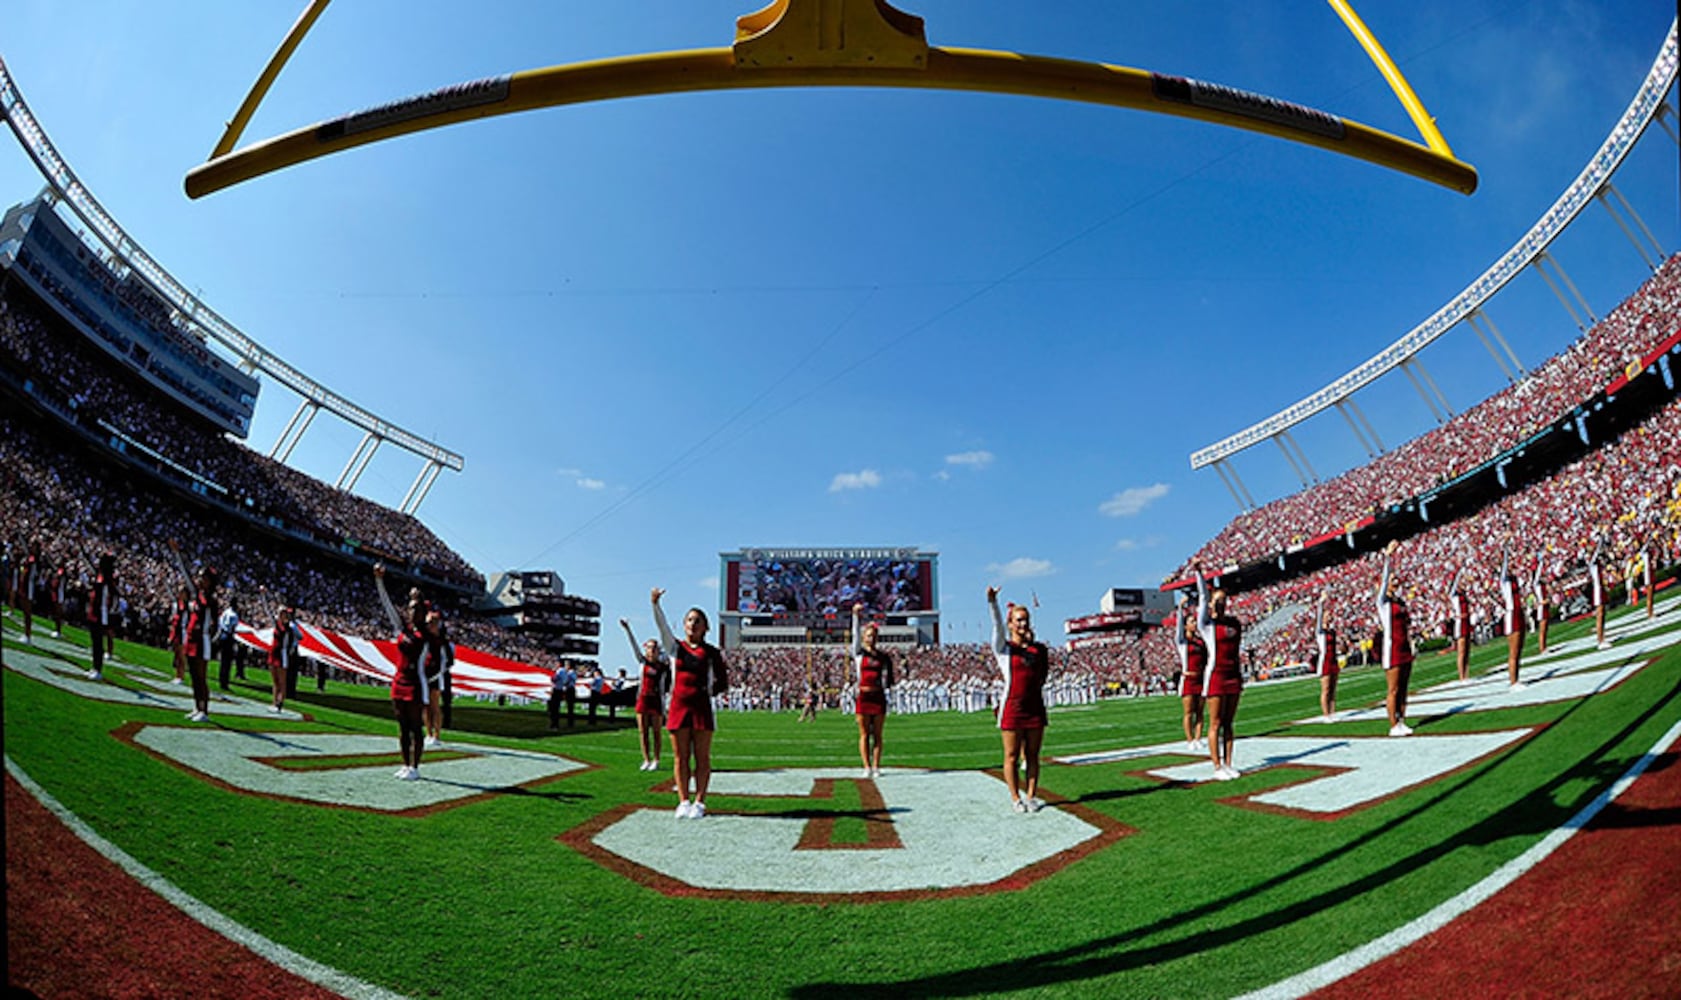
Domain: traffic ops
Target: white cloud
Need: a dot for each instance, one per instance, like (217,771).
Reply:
(586,483)
(972,459)
(1132,500)
(1134,544)
(942,475)
(707,583)
(1021,568)
(867,479)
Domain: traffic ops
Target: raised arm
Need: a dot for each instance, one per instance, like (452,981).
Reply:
(999,643)
(1453,588)
(635,648)
(181,565)
(385,599)
(857,631)
(1505,562)
(1204,620)
(668,642)
(1319,615)
(1179,640)
(1383,584)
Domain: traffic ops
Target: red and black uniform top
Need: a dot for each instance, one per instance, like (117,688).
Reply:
(201,625)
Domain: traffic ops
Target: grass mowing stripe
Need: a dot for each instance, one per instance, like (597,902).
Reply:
(1410,933)
(286,958)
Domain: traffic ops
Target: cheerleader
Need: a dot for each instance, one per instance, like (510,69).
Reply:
(651,694)
(1393,619)
(1596,592)
(199,634)
(1024,663)
(874,668)
(698,674)
(1325,661)
(283,651)
(1460,626)
(1538,586)
(101,610)
(409,693)
(440,657)
(56,593)
(1193,659)
(178,633)
(29,576)
(1222,682)
(1511,594)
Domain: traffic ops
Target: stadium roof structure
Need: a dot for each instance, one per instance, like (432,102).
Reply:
(196,316)
(1593,183)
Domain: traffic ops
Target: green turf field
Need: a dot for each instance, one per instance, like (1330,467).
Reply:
(1195,890)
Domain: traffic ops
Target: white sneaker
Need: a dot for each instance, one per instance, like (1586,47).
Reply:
(1191,745)
(683,810)
(94,675)
(1018,805)
(176,682)
(57,635)
(1519,686)
(402,772)
(1604,645)
(197,716)
(697,810)
(868,774)
(1223,774)
(1406,730)
(877,773)
(1035,804)
(413,775)
(433,741)
(1396,730)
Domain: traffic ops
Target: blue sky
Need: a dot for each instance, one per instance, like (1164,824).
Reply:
(993,327)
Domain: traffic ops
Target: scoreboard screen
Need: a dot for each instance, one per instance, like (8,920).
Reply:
(808,584)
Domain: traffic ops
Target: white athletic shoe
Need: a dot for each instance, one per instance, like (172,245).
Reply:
(402,772)
(868,773)
(697,810)
(176,682)
(413,775)
(1406,730)
(683,810)
(1604,645)
(877,773)
(58,635)
(1398,730)
(197,716)
(1035,804)
(1018,805)
(433,741)
(1191,745)
(94,675)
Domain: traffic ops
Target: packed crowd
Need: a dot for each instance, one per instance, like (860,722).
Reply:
(1627,493)
(1495,425)
(66,369)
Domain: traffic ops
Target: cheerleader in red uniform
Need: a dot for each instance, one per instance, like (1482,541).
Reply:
(29,576)
(651,693)
(55,591)
(1025,663)
(1460,610)
(1542,612)
(1597,591)
(1511,593)
(101,611)
(1648,573)
(178,633)
(1325,661)
(1395,622)
(409,692)
(1193,659)
(698,674)
(199,634)
(875,676)
(1222,682)
(283,651)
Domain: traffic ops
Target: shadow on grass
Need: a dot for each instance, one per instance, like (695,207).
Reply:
(1537,813)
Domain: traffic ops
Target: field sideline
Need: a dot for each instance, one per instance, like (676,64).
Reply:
(575,873)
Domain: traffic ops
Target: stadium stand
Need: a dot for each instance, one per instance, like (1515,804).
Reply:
(1474,436)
